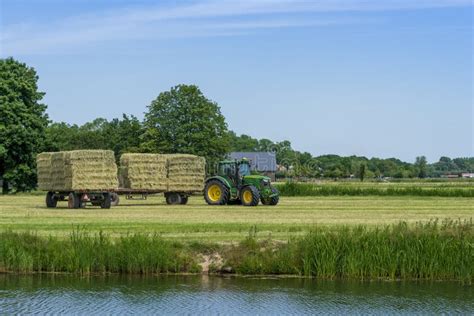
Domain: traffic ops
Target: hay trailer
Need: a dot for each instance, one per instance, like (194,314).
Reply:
(79,199)
(177,176)
(78,177)
(172,198)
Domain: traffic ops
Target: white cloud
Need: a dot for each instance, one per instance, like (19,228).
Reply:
(201,18)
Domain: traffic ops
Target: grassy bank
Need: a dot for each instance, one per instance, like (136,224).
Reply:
(426,251)
(293,217)
(450,189)
(85,253)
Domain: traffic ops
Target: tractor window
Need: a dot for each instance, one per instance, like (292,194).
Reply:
(227,170)
(244,170)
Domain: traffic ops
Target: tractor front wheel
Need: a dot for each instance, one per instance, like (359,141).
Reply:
(273,200)
(216,193)
(250,196)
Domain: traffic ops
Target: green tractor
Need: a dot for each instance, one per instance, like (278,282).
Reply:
(234,184)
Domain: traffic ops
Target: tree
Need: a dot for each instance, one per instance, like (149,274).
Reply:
(421,166)
(361,174)
(242,142)
(119,135)
(124,135)
(183,120)
(22,125)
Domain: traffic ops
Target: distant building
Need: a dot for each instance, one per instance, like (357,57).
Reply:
(263,162)
(467,175)
(450,176)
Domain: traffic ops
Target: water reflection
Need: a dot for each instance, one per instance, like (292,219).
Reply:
(204,295)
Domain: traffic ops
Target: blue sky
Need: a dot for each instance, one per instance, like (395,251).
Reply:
(375,78)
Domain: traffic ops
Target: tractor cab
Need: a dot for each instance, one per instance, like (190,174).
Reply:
(234,171)
(235,184)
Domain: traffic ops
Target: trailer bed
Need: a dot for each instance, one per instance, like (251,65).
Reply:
(171,197)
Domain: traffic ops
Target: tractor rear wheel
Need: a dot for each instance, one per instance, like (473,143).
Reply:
(250,196)
(216,193)
(273,200)
(51,201)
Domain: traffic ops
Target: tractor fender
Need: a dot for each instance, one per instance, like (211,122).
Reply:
(221,179)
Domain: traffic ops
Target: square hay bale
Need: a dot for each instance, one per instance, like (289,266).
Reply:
(78,170)
(43,167)
(186,173)
(143,172)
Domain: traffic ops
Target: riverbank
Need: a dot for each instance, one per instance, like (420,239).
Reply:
(430,251)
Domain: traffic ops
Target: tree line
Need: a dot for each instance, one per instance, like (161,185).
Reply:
(181,120)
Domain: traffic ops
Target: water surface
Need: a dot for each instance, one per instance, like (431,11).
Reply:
(65,294)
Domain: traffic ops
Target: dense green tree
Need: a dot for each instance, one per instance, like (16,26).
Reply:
(119,135)
(22,125)
(421,166)
(183,120)
(242,142)
(361,173)
(62,136)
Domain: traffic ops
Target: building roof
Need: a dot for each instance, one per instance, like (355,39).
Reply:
(260,161)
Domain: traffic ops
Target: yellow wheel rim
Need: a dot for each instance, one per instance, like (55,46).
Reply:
(214,193)
(247,197)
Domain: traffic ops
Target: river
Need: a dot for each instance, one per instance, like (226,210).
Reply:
(67,294)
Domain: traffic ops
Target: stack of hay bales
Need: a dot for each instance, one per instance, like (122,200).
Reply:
(143,172)
(58,171)
(186,173)
(43,165)
(77,170)
(158,172)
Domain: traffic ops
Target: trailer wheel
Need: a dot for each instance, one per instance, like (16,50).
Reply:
(115,199)
(184,199)
(51,201)
(173,198)
(107,201)
(74,200)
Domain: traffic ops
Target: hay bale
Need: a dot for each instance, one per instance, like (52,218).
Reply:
(43,167)
(143,172)
(78,170)
(186,173)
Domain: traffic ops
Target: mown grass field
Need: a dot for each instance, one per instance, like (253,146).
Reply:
(294,216)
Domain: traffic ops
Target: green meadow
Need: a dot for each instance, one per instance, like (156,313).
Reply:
(294,216)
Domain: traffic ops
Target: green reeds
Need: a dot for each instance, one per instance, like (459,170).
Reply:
(430,251)
(377,189)
(98,253)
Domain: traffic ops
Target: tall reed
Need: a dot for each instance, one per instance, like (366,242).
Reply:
(98,253)
(427,251)
(433,251)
